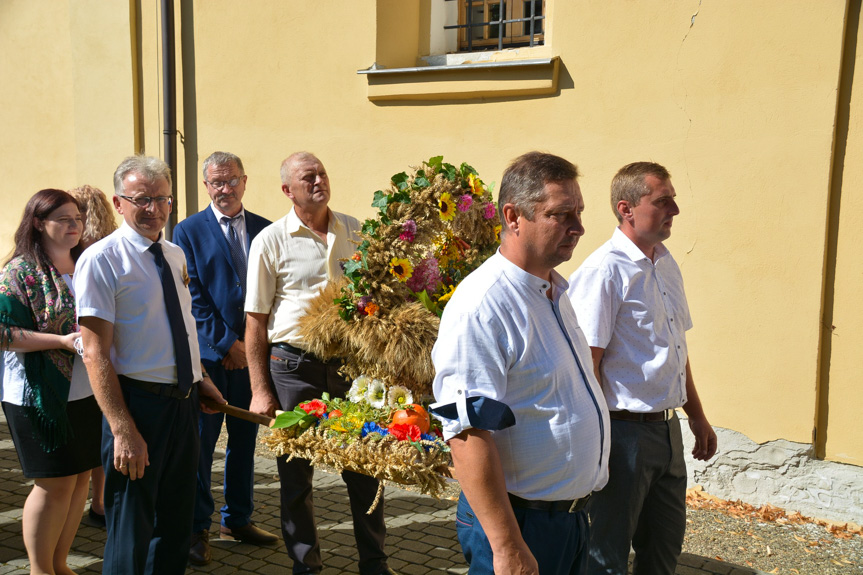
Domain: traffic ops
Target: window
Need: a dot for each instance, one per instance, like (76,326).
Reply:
(499,24)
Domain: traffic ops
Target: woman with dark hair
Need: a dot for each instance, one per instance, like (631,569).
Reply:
(98,222)
(53,418)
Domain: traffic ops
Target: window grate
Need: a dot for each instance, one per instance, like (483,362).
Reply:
(495,19)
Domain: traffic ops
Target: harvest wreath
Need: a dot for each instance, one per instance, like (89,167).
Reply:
(435,224)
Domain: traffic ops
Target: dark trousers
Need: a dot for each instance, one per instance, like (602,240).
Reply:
(557,539)
(239,457)
(644,502)
(149,520)
(299,378)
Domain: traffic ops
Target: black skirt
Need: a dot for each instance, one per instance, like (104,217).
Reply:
(81,452)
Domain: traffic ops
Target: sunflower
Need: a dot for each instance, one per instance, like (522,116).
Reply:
(446,206)
(401,268)
(475,184)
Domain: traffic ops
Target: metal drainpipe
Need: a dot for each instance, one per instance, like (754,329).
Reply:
(169,105)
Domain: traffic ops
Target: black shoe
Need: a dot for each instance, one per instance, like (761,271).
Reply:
(97,518)
(199,552)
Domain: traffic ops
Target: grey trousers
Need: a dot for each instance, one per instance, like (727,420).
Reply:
(299,378)
(644,502)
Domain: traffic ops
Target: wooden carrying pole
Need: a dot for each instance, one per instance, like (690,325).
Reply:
(238,412)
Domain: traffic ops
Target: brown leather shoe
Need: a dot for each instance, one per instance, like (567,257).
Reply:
(251,534)
(199,552)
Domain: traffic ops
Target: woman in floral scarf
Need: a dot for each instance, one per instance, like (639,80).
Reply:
(53,418)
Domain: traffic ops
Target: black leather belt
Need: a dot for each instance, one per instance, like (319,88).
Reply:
(160,389)
(290,348)
(570,505)
(634,416)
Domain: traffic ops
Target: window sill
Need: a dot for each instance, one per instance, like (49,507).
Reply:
(465,81)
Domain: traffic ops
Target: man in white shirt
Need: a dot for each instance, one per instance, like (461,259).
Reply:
(512,338)
(141,354)
(290,261)
(629,298)
(216,243)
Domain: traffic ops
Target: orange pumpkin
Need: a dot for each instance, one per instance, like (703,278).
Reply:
(414,414)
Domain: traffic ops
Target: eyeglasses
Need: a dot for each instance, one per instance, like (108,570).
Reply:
(233,183)
(144,202)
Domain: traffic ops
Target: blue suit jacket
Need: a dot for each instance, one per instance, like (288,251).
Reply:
(217,297)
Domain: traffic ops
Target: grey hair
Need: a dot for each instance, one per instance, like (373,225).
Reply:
(287,164)
(523,183)
(147,166)
(221,159)
(628,183)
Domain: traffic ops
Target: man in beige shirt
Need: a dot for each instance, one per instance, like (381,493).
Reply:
(289,262)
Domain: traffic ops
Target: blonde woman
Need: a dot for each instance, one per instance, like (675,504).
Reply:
(98,222)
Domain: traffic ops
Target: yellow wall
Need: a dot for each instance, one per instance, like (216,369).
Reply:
(738,103)
(65,98)
(840,409)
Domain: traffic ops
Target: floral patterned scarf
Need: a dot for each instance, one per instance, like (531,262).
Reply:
(38,300)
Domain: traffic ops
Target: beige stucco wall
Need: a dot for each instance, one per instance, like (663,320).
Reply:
(65,100)
(843,440)
(738,102)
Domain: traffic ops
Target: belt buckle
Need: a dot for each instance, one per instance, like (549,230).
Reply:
(668,414)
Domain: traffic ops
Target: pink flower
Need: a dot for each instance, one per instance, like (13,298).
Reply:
(426,276)
(489,211)
(409,230)
(464,203)
(30,280)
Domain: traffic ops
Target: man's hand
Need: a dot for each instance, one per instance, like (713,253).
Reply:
(705,438)
(515,559)
(130,453)
(236,356)
(209,390)
(263,398)
(264,402)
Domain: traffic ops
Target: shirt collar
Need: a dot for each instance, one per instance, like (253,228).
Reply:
(293,222)
(531,282)
(621,242)
(139,242)
(219,215)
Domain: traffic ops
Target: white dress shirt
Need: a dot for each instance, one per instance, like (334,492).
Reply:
(239,226)
(116,280)
(502,338)
(635,310)
(289,264)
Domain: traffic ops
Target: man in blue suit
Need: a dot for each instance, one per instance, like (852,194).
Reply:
(216,242)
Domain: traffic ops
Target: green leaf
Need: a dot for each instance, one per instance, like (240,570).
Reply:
(421,182)
(436,163)
(381,200)
(424,299)
(451,173)
(352,266)
(370,227)
(399,178)
(467,169)
(292,418)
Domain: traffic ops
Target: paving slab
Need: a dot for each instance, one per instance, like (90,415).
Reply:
(421,537)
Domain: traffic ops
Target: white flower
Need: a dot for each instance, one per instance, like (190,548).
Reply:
(377,393)
(398,397)
(359,387)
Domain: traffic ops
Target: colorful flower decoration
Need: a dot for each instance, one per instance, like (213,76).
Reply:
(446,207)
(401,268)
